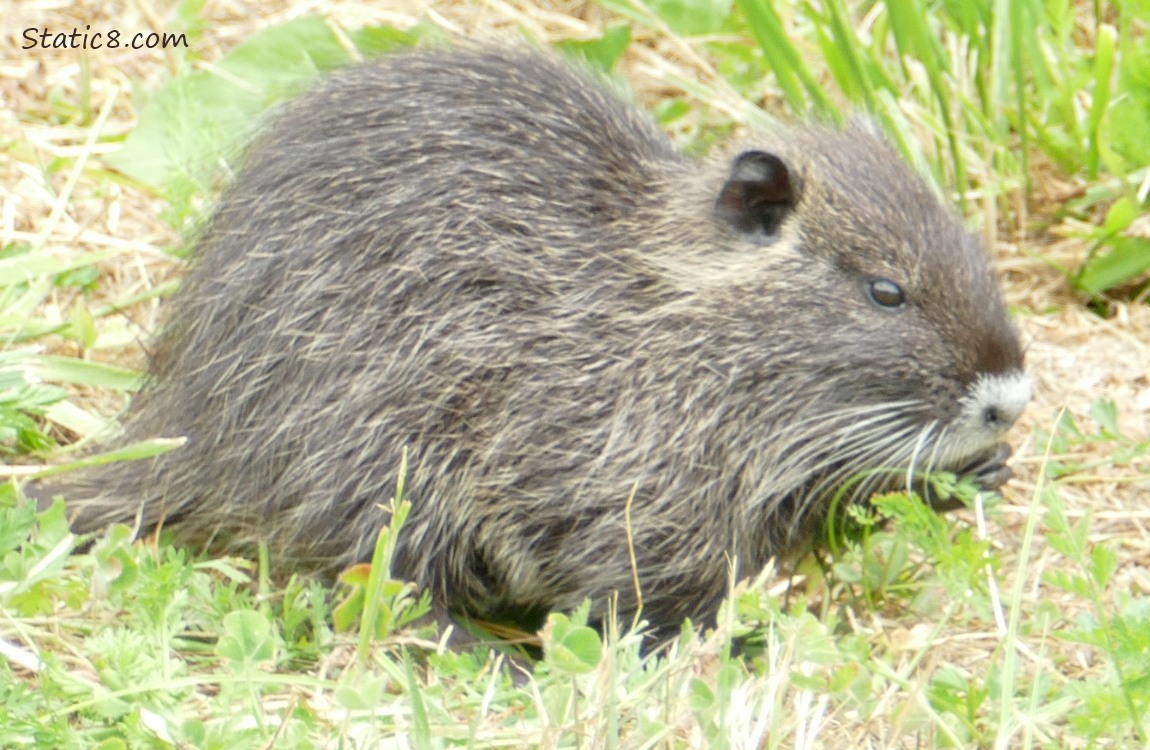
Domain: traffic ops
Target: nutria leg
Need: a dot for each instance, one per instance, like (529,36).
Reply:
(990,469)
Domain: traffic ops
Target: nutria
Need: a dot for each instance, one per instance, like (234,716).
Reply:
(488,259)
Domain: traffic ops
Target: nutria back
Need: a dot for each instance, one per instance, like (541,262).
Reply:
(488,259)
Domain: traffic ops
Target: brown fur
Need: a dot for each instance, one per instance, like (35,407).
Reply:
(486,258)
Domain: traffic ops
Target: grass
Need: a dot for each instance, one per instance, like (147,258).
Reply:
(1018,624)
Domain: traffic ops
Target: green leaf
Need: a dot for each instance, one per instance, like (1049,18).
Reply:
(246,639)
(378,40)
(689,17)
(1125,260)
(421,725)
(200,118)
(603,53)
(85,277)
(20,269)
(1105,413)
(1105,41)
(1126,127)
(700,696)
(670,110)
(83,328)
(571,648)
(1103,564)
(784,58)
(1120,216)
(364,693)
(112,743)
(135,451)
(16,524)
(55,369)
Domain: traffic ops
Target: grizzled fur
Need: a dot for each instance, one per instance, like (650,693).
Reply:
(486,258)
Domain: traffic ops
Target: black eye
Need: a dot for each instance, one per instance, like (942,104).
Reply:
(886,293)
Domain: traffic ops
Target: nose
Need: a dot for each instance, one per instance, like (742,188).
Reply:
(1004,397)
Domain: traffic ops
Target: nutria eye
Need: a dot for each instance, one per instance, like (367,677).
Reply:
(886,293)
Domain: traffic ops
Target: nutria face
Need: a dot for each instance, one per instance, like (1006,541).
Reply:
(909,361)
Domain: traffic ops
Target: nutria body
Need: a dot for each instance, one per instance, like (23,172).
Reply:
(488,259)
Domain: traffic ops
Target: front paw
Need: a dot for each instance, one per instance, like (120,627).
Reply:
(990,470)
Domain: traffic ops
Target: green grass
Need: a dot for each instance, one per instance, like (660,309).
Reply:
(132,644)
(135,645)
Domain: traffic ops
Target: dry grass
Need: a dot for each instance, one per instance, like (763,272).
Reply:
(65,104)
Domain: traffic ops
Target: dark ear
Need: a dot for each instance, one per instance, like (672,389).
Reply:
(758,195)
